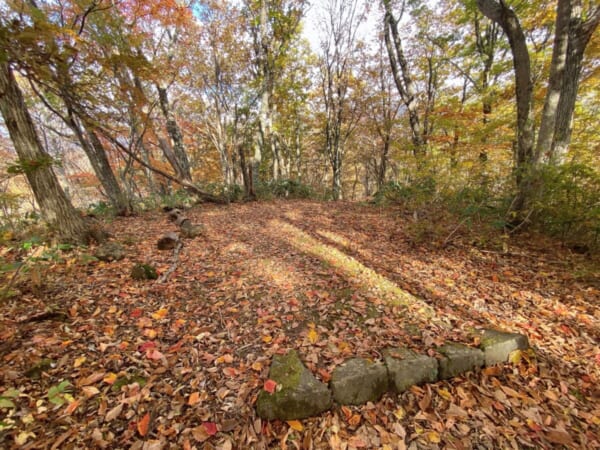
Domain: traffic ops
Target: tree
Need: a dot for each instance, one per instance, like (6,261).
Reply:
(35,163)
(339,49)
(562,91)
(274,24)
(403,78)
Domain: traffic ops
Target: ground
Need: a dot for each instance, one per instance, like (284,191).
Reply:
(179,364)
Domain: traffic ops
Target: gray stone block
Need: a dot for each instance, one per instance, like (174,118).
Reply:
(358,381)
(298,395)
(457,359)
(498,345)
(407,368)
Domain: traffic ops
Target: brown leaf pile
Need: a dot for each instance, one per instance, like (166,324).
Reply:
(179,364)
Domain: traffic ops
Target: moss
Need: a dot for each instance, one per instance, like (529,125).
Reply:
(36,371)
(286,370)
(143,272)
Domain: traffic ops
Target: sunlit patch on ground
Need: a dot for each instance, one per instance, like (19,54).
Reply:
(351,268)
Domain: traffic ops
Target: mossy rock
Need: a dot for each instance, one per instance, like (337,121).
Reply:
(298,395)
(35,372)
(110,251)
(143,272)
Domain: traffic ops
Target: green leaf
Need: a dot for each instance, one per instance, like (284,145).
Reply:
(6,403)
(11,393)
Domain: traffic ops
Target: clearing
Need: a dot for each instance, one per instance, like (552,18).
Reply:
(179,364)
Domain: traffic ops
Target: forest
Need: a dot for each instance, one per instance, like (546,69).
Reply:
(191,188)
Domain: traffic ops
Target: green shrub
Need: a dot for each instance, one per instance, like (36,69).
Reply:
(291,189)
(567,204)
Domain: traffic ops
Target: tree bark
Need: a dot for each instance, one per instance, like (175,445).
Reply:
(555,81)
(580,32)
(54,204)
(403,79)
(524,157)
(182,164)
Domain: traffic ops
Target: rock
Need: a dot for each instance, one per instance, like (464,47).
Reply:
(457,359)
(498,345)
(168,241)
(110,251)
(143,272)
(298,395)
(407,368)
(359,381)
(188,230)
(35,371)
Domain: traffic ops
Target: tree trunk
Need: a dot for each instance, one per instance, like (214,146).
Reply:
(182,162)
(524,157)
(54,204)
(404,83)
(96,154)
(580,32)
(555,81)
(336,166)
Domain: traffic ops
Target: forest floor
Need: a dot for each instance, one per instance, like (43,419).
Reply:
(179,364)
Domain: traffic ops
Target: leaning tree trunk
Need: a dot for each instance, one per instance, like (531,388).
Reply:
(524,156)
(183,164)
(96,154)
(403,79)
(36,163)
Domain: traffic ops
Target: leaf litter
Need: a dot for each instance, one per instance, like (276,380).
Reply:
(179,364)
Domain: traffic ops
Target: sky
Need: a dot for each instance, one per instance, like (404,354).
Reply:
(313,32)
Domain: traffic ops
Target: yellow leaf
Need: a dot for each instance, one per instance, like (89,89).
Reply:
(296,425)
(150,333)
(22,438)
(515,357)
(79,361)
(110,378)
(400,413)
(445,394)
(257,366)
(434,437)
(313,336)
(267,339)
(160,314)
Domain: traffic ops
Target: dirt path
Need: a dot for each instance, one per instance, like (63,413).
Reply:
(154,365)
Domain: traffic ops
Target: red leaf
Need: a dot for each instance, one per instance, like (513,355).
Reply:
(270,386)
(143,425)
(137,312)
(210,427)
(154,355)
(146,346)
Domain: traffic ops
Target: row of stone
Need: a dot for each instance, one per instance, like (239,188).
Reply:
(299,394)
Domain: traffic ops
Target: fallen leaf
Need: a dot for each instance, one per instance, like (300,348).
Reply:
(143,424)
(91,379)
(210,427)
(114,413)
(160,314)
(296,425)
(71,407)
(270,386)
(194,398)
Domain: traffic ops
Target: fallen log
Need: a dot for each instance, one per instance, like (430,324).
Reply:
(168,241)
(188,229)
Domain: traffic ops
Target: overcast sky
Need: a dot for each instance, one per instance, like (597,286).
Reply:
(313,31)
